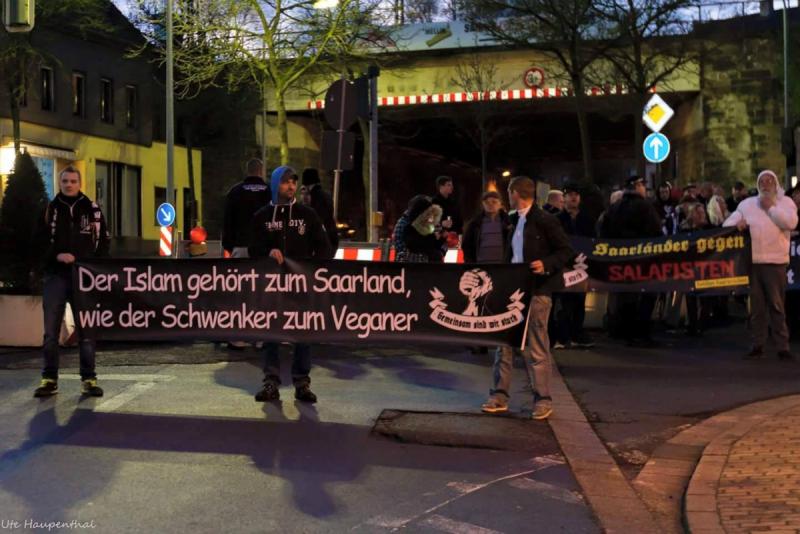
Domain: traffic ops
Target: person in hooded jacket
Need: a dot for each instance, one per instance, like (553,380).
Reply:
(286,229)
(76,230)
(447,201)
(422,237)
(771,216)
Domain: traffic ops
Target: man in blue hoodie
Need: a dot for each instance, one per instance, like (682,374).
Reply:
(287,229)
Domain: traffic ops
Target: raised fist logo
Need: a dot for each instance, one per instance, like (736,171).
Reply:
(474,284)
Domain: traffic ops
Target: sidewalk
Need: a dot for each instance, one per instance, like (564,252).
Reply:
(748,478)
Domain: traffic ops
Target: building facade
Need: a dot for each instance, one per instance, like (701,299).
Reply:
(89,105)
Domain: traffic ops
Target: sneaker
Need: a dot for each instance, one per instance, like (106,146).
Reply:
(47,388)
(89,387)
(542,410)
(237,345)
(756,353)
(583,342)
(494,405)
(558,345)
(785,355)
(269,392)
(304,394)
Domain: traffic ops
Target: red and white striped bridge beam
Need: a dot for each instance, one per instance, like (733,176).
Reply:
(466,97)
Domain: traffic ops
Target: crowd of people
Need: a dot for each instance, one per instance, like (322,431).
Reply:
(267,220)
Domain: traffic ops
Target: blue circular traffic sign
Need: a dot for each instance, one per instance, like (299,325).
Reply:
(656,147)
(165,214)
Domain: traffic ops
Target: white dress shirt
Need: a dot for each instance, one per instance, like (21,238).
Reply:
(517,241)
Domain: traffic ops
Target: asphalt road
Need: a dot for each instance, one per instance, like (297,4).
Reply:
(638,398)
(183,447)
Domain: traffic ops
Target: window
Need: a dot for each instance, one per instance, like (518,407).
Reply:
(131,102)
(107,100)
(118,194)
(78,94)
(48,99)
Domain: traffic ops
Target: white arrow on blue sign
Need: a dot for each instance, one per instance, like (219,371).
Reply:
(165,215)
(656,147)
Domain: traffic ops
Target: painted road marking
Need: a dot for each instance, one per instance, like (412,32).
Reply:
(444,524)
(462,489)
(548,490)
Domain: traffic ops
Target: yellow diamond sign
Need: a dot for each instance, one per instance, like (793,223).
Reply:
(657,113)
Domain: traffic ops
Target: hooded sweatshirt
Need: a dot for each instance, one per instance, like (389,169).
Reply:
(74,225)
(292,228)
(769,229)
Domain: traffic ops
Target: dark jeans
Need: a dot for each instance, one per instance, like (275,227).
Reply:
(698,311)
(570,317)
(635,313)
(301,363)
(57,292)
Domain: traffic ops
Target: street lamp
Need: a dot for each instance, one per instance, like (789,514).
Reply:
(18,15)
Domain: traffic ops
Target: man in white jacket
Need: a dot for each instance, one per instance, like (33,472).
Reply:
(771,216)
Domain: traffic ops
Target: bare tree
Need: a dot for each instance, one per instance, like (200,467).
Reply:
(270,44)
(477,75)
(649,47)
(570,31)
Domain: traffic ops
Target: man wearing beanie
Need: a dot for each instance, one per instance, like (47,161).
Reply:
(771,216)
(322,203)
(287,229)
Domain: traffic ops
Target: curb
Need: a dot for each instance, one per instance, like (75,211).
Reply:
(615,503)
(700,503)
(680,480)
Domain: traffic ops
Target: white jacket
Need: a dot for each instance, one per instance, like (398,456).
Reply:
(769,230)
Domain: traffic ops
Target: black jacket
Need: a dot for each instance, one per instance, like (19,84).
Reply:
(322,203)
(76,226)
(471,243)
(543,239)
(632,217)
(293,229)
(582,225)
(450,209)
(241,203)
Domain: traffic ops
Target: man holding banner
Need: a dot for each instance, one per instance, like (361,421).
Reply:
(77,231)
(539,241)
(287,230)
(771,216)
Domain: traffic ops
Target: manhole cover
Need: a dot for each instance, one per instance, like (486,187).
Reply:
(506,432)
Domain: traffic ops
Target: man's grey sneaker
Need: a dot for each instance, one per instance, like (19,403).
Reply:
(89,387)
(304,394)
(269,392)
(494,405)
(46,388)
(786,355)
(756,353)
(542,410)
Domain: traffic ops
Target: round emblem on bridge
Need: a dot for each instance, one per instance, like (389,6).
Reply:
(533,78)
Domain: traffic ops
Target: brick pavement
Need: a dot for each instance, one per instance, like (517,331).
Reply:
(759,488)
(748,478)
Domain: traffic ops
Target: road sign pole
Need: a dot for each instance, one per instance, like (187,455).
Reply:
(373,154)
(338,171)
(170,110)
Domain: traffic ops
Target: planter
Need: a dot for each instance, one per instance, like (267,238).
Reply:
(21,321)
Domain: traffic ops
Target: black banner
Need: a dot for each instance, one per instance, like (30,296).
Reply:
(793,273)
(709,260)
(333,301)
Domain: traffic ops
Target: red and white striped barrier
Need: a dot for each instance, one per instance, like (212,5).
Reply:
(165,244)
(512,94)
(453,255)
